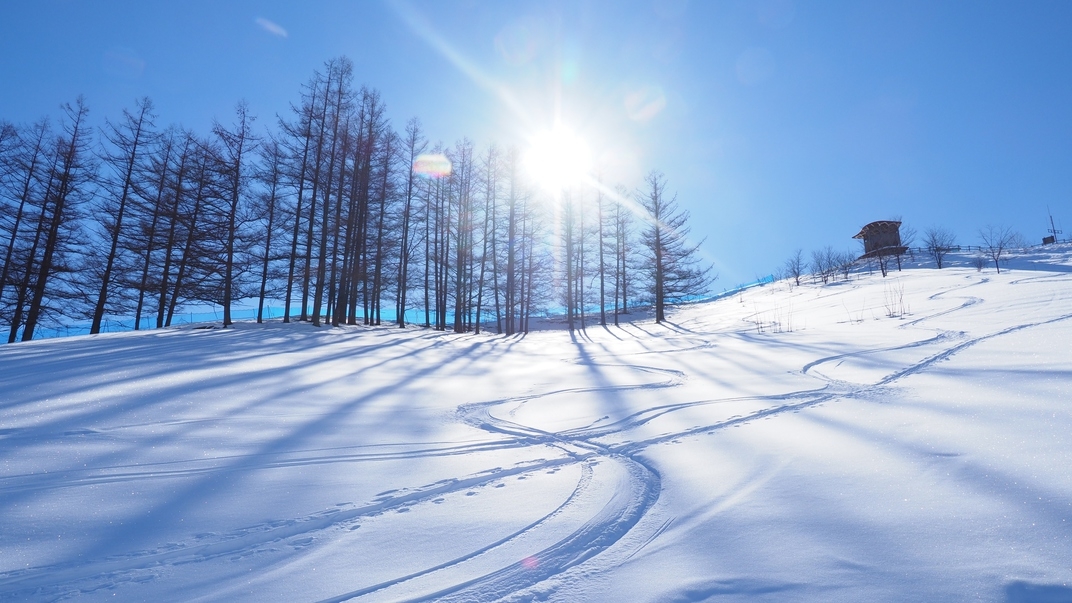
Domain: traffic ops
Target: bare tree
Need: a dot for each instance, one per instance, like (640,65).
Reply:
(338,113)
(24,160)
(908,234)
(414,144)
(463,228)
(320,117)
(187,148)
(370,186)
(9,136)
(883,261)
(270,177)
(844,261)
(795,266)
(997,240)
(28,256)
(128,141)
(387,193)
(881,257)
(622,220)
(569,246)
(191,212)
(298,138)
(939,241)
(489,171)
(73,175)
(824,263)
(154,203)
(512,293)
(600,220)
(234,144)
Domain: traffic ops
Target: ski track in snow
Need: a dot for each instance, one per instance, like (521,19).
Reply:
(587,542)
(578,446)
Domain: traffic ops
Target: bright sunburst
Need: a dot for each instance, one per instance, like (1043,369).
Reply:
(558,158)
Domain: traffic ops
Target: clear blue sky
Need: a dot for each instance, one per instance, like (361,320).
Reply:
(780,124)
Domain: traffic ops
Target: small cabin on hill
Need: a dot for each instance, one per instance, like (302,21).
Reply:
(881,238)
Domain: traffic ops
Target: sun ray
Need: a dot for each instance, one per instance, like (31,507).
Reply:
(639,212)
(420,26)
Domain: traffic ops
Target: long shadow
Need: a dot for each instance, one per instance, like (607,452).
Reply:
(217,483)
(246,463)
(281,445)
(142,359)
(680,329)
(159,396)
(192,357)
(286,386)
(1038,266)
(607,329)
(1026,592)
(293,440)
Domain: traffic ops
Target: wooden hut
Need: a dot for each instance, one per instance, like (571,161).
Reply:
(881,238)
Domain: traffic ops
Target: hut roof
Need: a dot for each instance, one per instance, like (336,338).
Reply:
(877,226)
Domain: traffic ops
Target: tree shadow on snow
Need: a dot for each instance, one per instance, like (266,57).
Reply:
(1025,592)
(229,471)
(717,589)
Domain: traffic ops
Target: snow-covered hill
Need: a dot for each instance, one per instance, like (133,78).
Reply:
(897,439)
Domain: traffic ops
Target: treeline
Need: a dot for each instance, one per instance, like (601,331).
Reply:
(332,211)
(827,264)
(995,243)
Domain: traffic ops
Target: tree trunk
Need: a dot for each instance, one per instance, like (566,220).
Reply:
(71,154)
(136,126)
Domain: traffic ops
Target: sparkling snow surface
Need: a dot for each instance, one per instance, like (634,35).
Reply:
(897,439)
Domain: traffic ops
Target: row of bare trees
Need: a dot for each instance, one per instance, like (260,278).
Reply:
(332,212)
(938,242)
(138,226)
(46,174)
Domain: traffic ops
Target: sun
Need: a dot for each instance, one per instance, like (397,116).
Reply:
(557,159)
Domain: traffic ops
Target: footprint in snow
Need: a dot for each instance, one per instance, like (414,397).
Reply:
(471,493)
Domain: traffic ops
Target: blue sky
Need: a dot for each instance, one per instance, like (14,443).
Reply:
(780,124)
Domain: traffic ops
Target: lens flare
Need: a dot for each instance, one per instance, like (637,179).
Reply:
(645,103)
(432,165)
(558,158)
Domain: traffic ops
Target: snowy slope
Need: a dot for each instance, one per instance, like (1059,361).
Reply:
(898,439)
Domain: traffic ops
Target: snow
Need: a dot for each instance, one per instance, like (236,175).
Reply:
(884,439)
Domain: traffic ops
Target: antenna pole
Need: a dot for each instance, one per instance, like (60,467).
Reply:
(1053,229)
